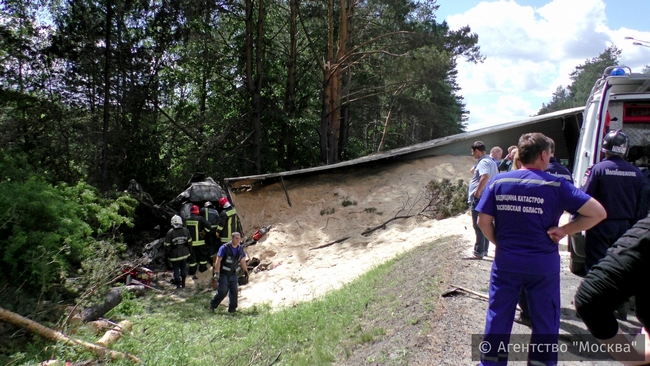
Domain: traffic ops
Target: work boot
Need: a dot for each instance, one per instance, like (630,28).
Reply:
(183,282)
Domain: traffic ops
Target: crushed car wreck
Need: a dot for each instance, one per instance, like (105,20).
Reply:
(200,189)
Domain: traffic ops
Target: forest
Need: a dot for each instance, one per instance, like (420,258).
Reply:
(95,93)
(112,90)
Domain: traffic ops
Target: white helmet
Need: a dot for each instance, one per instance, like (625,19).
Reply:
(177,221)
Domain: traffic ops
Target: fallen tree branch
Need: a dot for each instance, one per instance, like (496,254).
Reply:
(383,225)
(332,243)
(112,299)
(328,221)
(455,288)
(114,334)
(53,335)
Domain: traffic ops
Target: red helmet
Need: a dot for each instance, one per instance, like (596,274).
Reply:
(194,209)
(223,201)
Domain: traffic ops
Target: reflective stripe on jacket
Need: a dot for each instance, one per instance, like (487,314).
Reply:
(228,223)
(230,263)
(196,225)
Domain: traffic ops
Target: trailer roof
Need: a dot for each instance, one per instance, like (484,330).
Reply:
(561,126)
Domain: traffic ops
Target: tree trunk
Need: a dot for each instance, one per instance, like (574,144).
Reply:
(107,91)
(287,144)
(113,298)
(383,135)
(332,73)
(53,335)
(254,79)
(115,334)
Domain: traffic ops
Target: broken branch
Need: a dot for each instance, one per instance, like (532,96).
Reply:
(332,243)
(383,225)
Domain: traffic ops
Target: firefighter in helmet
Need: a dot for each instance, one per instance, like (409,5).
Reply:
(228,221)
(199,227)
(210,213)
(178,245)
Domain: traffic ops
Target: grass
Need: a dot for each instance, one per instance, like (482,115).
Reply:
(320,332)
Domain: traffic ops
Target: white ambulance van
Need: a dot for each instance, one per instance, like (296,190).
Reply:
(620,99)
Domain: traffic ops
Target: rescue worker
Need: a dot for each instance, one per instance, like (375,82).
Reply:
(527,253)
(228,221)
(212,215)
(558,170)
(618,186)
(199,227)
(178,245)
(230,258)
(622,273)
(555,167)
(484,170)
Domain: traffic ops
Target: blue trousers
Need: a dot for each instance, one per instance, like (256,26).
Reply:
(543,294)
(228,286)
(180,271)
(600,237)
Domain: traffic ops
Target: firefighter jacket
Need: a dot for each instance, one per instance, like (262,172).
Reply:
(228,223)
(198,227)
(178,244)
(230,258)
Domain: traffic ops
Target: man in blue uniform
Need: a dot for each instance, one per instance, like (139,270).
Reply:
(519,212)
(617,185)
(229,259)
(483,171)
(558,170)
(554,166)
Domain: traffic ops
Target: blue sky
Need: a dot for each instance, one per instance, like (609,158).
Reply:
(531,47)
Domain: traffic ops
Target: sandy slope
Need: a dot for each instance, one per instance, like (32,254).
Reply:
(300,273)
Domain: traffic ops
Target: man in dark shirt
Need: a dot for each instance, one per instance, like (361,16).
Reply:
(617,185)
(554,166)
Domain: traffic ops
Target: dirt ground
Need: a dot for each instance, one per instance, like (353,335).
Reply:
(423,328)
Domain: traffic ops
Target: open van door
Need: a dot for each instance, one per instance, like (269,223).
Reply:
(625,96)
(588,154)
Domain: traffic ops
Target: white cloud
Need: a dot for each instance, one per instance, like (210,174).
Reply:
(530,52)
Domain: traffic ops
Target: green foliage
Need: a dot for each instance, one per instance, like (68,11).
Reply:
(52,233)
(129,306)
(446,199)
(582,81)
(347,202)
(323,331)
(327,211)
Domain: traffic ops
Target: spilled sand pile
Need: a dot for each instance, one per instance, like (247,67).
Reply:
(297,271)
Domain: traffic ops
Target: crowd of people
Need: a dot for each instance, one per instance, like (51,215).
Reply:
(208,237)
(531,188)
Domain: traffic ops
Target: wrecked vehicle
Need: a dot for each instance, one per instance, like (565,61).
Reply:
(200,189)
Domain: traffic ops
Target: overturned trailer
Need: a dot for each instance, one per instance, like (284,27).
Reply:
(562,126)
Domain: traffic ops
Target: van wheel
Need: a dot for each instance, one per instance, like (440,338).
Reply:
(576,262)
(577,268)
